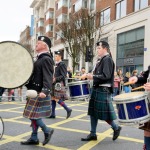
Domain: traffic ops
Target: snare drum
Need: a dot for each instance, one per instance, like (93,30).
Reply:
(79,90)
(132,108)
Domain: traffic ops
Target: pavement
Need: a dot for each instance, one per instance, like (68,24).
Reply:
(67,132)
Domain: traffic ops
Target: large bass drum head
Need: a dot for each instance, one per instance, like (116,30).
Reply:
(16,64)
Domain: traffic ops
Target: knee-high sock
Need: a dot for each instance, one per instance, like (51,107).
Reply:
(41,124)
(53,107)
(94,122)
(113,124)
(61,102)
(147,142)
(34,130)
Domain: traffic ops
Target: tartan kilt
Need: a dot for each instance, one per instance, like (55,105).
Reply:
(37,108)
(100,104)
(61,94)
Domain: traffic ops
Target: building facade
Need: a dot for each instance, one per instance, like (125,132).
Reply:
(124,24)
(25,39)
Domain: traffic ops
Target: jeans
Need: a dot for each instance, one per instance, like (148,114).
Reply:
(126,89)
(115,91)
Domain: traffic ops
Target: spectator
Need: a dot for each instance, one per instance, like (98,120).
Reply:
(2,90)
(11,95)
(20,93)
(69,74)
(116,84)
(83,71)
(121,76)
(126,78)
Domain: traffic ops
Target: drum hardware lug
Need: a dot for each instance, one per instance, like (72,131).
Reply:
(141,125)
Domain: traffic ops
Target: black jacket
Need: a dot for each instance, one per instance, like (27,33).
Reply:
(144,77)
(104,72)
(42,76)
(60,72)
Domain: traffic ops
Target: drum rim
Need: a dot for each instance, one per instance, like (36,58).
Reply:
(143,94)
(129,100)
(77,83)
(31,59)
(145,118)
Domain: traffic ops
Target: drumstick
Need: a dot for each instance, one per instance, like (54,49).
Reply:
(140,87)
(128,83)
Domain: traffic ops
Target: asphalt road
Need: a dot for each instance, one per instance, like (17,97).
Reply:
(67,132)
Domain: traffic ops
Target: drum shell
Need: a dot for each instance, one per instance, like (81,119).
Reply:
(132,110)
(79,89)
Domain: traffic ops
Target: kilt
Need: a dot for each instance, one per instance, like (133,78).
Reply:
(37,108)
(100,104)
(61,94)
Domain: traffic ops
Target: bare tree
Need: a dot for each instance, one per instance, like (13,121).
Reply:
(78,32)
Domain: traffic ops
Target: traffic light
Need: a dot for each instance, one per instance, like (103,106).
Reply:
(89,54)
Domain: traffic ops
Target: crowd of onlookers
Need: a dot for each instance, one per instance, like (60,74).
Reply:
(11,94)
(119,80)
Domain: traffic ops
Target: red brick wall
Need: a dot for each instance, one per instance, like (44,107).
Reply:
(49,21)
(63,10)
(102,4)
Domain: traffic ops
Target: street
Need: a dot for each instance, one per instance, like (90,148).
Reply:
(67,132)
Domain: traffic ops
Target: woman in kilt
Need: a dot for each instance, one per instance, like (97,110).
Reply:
(40,81)
(142,80)
(100,104)
(59,95)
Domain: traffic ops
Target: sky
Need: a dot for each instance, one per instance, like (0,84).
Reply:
(15,15)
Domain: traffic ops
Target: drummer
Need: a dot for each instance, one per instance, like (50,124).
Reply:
(59,77)
(100,104)
(143,80)
(40,81)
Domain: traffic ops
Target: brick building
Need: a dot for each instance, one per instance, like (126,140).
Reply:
(124,23)
(25,39)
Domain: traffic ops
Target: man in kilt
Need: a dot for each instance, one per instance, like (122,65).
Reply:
(142,80)
(100,104)
(59,95)
(40,81)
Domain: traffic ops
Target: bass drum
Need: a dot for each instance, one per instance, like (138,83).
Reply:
(16,64)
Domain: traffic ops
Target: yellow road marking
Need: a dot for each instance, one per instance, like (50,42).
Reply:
(88,145)
(3,110)
(91,144)
(18,139)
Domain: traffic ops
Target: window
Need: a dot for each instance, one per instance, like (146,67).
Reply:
(40,23)
(58,35)
(140,4)
(130,43)
(62,18)
(84,4)
(92,5)
(121,9)
(62,3)
(49,28)
(105,17)
(50,15)
(78,5)
(69,3)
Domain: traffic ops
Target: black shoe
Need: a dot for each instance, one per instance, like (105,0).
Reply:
(69,113)
(52,117)
(48,136)
(116,133)
(30,142)
(90,138)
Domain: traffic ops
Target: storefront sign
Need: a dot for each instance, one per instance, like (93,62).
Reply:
(128,61)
